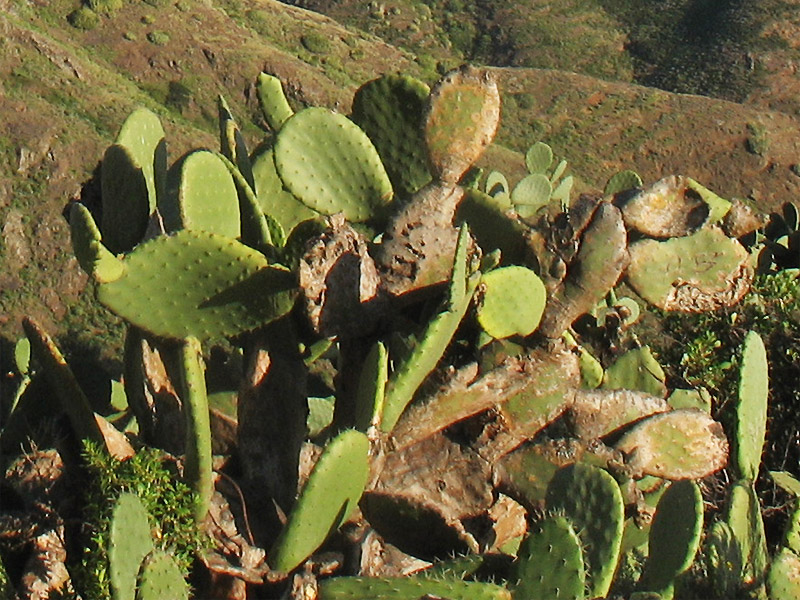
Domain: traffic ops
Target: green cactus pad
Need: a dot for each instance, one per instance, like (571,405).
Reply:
(531,193)
(331,493)
(461,120)
(744,518)
(408,588)
(582,492)
(92,255)
(372,387)
(209,286)
(700,272)
(637,369)
(126,205)
(538,158)
(130,541)
(562,191)
(272,198)
(143,136)
(674,535)
(22,356)
(718,206)
(751,409)
(331,166)
(201,196)
(622,182)
(550,563)
(783,580)
(232,144)
(272,100)
(160,578)
(510,302)
(434,341)
(389,110)
(191,388)
(681,444)
(497,185)
(491,226)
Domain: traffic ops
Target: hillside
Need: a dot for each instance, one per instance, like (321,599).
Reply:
(65,91)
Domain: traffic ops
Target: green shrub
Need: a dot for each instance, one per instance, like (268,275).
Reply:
(83,18)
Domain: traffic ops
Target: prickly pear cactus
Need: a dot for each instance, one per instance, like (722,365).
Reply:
(331,166)
(272,100)
(408,588)
(581,492)
(130,541)
(510,301)
(461,120)
(751,410)
(329,496)
(695,273)
(125,197)
(622,182)
(674,536)
(550,563)
(389,109)
(210,285)
(160,578)
(783,580)
(87,244)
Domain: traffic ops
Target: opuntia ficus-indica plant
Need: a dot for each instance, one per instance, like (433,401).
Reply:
(364,263)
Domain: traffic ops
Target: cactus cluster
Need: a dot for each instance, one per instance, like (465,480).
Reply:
(441,319)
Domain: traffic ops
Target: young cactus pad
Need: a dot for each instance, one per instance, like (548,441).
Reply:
(389,109)
(87,244)
(751,410)
(550,563)
(129,543)
(143,136)
(206,286)
(331,493)
(201,195)
(582,492)
(408,588)
(272,100)
(331,166)
(160,578)
(511,301)
(126,207)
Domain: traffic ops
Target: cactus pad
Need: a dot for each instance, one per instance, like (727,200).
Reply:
(126,205)
(331,493)
(751,409)
(272,100)
(511,301)
(745,521)
(783,580)
(461,120)
(491,227)
(674,535)
(331,166)
(637,369)
(129,543)
(389,110)
(531,193)
(550,563)
(582,492)
(160,578)
(143,136)
(272,198)
(701,272)
(201,195)
(681,444)
(92,255)
(538,158)
(622,182)
(207,286)
(408,588)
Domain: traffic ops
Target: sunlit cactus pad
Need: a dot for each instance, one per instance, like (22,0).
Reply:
(198,284)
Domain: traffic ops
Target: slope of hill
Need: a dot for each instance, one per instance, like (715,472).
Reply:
(65,91)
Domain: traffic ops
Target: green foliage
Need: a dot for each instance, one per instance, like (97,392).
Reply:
(158,38)
(83,18)
(167,500)
(104,7)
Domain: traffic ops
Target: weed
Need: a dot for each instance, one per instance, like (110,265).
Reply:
(316,43)
(757,139)
(158,38)
(83,18)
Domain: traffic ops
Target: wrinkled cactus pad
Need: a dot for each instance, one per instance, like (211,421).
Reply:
(696,273)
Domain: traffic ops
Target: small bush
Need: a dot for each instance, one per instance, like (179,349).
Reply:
(159,38)
(83,18)
(316,43)
(104,7)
